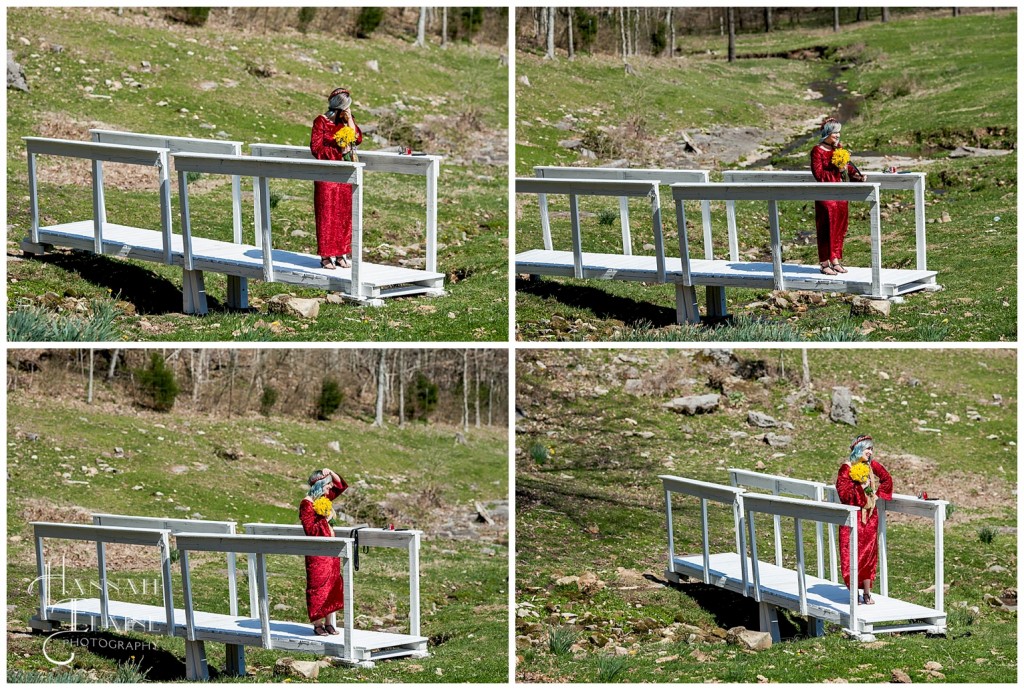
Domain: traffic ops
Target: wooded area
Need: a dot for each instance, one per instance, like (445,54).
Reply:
(656,32)
(464,387)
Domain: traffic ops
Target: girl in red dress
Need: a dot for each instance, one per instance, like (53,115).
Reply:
(877,483)
(324,587)
(831,218)
(332,201)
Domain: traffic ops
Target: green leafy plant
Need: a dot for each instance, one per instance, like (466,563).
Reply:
(306,16)
(607,216)
(425,395)
(986,535)
(330,399)
(368,20)
(267,400)
(540,453)
(33,324)
(158,384)
(610,667)
(561,638)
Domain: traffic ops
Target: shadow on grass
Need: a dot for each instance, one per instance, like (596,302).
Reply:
(605,306)
(158,664)
(149,293)
(730,609)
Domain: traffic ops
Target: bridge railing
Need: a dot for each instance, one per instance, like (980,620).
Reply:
(427,166)
(103,535)
(659,175)
(591,187)
(100,153)
(406,540)
(260,548)
(910,181)
(774,193)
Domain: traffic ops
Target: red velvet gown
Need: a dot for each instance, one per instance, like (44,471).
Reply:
(852,494)
(332,201)
(831,218)
(325,593)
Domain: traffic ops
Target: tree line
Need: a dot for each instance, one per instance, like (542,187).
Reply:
(386,386)
(660,32)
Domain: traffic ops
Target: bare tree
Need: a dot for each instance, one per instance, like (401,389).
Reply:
(421,29)
(113,363)
(550,54)
(622,34)
(806,367)
(465,390)
(885,15)
(568,24)
(92,357)
(382,380)
(444,27)
(835,19)
(671,34)
(767,20)
(860,14)
(732,34)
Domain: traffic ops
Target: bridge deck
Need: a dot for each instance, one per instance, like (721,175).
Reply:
(825,600)
(241,630)
(745,274)
(243,260)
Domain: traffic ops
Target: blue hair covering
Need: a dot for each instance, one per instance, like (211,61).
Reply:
(320,488)
(859,446)
(828,127)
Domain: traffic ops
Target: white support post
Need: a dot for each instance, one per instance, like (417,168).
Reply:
(264,599)
(99,212)
(627,238)
(44,586)
(232,580)
(432,175)
(940,518)
(854,582)
(876,246)
(741,542)
(577,241)
(776,242)
(819,535)
(236,201)
(730,216)
(257,213)
(165,204)
(705,217)
(833,572)
(545,221)
(357,234)
(186,222)
(263,229)
(753,556)
(705,540)
(671,532)
(801,567)
(414,586)
(659,233)
(922,244)
(883,548)
(33,200)
(165,581)
(101,564)
(684,242)
(254,602)
(350,653)
(778,539)
(186,592)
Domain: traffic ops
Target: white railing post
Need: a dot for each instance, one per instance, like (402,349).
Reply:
(832,557)
(44,585)
(432,177)
(165,204)
(165,581)
(705,217)
(671,531)
(545,220)
(922,244)
(414,585)
(267,245)
(627,238)
(350,653)
(883,551)
(876,245)
(257,213)
(659,235)
(577,240)
(264,599)
(854,583)
(741,538)
(186,221)
(801,567)
(232,579)
(778,532)
(940,518)
(33,199)
(254,602)
(99,212)
(186,592)
(704,537)
(730,217)
(776,243)
(819,496)
(684,242)
(236,201)
(357,234)
(753,556)
(101,564)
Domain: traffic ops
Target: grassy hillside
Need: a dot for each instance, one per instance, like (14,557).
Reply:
(252,87)
(252,470)
(925,86)
(588,455)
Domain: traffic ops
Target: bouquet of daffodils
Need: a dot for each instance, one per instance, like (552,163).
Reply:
(345,138)
(860,472)
(841,159)
(324,508)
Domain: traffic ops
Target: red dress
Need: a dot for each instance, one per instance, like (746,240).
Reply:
(332,201)
(325,593)
(831,218)
(852,494)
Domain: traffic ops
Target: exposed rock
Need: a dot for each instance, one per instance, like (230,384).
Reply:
(900,676)
(976,152)
(749,639)
(694,404)
(373,66)
(865,306)
(567,580)
(15,74)
(295,306)
(287,666)
(334,446)
(524,80)
(588,584)
(843,409)
(570,143)
(761,419)
(777,440)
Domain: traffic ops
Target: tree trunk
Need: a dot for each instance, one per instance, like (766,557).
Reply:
(956,11)
(767,20)
(572,48)
(421,29)
(807,368)
(113,364)
(382,379)
(732,34)
(550,54)
(401,389)
(885,15)
(92,357)
(476,373)
(444,27)
(622,34)
(835,19)
(465,390)
(860,14)
(671,35)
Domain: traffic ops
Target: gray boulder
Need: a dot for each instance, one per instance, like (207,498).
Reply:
(761,419)
(15,74)
(843,409)
(694,404)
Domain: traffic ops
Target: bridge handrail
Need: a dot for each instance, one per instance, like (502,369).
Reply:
(590,187)
(408,540)
(908,181)
(177,526)
(773,193)
(103,535)
(261,546)
(662,176)
(99,153)
(428,166)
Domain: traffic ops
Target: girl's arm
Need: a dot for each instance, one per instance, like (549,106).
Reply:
(885,479)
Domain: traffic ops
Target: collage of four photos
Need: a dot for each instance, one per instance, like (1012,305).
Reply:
(511,344)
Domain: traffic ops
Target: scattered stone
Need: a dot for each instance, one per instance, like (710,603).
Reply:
(567,580)
(777,440)
(524,80)
(749,639)
(900,676)
(588,584)
(760,419)
(865,306)
(15,74)
(287,666)
(760,465)
(977,152)
(932,666)
(284,303)
(334,446)
(373,66)
(843,410)
(282,607)
(666,659)
(570,144)
(694,404)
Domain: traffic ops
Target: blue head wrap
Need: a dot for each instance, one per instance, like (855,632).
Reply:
(828,127)
(859,446)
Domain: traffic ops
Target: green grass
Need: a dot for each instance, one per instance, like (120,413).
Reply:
(598,506)
(909,72)
(465,84)
(463,583)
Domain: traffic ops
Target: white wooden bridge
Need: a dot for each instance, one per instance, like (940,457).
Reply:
(821,597)
(236,631)
(365,282)
(716,274)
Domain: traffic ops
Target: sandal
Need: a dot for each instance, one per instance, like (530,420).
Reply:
(320,630)
(838,267)
(331,630)
(325,262)
(343,262)
(827,269)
